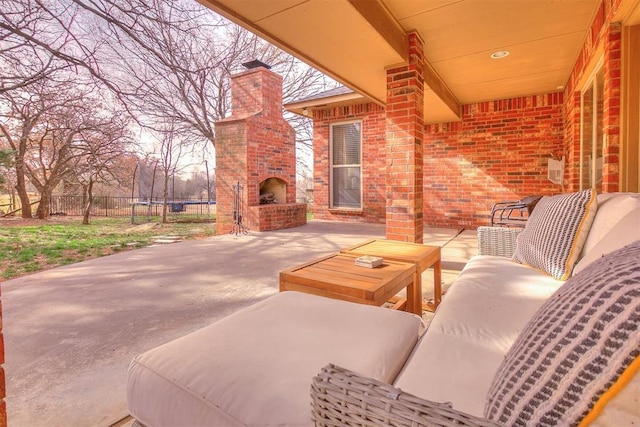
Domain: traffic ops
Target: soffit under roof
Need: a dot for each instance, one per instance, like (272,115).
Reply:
(353,41)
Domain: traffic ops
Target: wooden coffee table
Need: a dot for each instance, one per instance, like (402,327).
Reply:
(337,276)
(421,255)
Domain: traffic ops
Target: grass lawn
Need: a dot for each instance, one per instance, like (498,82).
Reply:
(25,249)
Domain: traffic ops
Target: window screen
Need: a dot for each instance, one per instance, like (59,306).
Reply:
(346,169)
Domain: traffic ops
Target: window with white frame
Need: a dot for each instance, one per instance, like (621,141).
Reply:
(346,165)
(592,131)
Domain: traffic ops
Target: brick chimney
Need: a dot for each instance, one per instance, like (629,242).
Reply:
(255,147)
(257,90)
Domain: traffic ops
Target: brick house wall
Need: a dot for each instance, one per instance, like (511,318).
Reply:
(373,162)
(499,151)
(604,38)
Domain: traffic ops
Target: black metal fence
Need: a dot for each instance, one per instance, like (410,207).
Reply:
(106,206)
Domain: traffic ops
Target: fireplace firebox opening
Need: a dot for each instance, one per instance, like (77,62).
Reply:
(273,190)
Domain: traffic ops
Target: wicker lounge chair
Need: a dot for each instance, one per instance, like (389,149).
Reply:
(513,213)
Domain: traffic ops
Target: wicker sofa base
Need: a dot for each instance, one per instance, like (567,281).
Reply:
(340,397)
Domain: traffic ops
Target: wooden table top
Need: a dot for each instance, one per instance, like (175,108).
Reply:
(424,256)
(338,275)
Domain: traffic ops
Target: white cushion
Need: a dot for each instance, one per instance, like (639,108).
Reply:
(624,232)
(479,319)
(255,366)
(556,231)
(612,207)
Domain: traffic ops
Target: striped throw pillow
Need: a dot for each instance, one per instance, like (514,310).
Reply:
(555,233)
(578,351)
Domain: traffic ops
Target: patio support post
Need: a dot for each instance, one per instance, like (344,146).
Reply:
(611,113)
(404,134)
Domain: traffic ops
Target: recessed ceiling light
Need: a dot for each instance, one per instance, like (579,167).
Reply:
(499,54)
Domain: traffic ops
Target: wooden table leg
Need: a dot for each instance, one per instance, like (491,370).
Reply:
(414,294)
(437,284)
(437,288)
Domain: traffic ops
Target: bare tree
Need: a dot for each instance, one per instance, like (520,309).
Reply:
(102,158)
(175,58)
(54,129)
(6,158)
(167,62)
(23,62)
(21,114)
(39,38)
(40,52)
(158,52)
(197,186)
(171,151)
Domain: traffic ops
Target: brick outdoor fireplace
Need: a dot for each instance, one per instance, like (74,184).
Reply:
(255,147)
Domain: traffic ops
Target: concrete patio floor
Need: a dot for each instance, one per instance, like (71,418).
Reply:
(70,332)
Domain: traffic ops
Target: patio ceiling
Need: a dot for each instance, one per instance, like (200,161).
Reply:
(353,41)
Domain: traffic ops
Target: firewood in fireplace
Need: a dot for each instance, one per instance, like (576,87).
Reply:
(267,198)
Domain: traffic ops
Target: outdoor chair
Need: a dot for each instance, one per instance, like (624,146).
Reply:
(513,213)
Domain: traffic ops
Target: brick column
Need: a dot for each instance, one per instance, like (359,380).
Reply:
(572,140)
(404,130)
(611,107)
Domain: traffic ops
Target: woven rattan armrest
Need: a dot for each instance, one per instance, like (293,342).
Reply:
(340,397)
(499,241)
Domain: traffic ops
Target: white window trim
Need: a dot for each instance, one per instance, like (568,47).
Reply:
(590,83)
(331,166)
